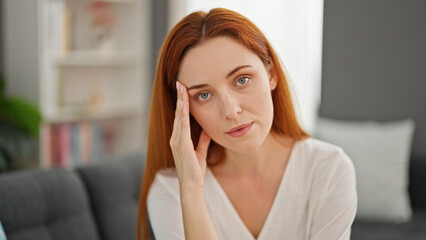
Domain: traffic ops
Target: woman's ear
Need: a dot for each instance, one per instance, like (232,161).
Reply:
(272,74)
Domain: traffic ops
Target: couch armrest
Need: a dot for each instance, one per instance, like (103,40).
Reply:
(113,187)
(45,205)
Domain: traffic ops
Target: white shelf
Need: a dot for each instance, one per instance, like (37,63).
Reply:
(97,58)
(123,1)
(55,64)
(73,114)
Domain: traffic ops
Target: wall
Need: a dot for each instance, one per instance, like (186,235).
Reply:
(159,21)
(374,63)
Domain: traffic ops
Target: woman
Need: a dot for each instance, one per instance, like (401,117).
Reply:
(226,157)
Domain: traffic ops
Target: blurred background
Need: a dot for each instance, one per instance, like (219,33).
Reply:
(77,77)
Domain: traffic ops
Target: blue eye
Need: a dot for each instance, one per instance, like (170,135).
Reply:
(242,81)
(203,96)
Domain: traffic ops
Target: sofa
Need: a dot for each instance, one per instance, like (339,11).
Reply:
(391,179)
(415,229)
(98,201)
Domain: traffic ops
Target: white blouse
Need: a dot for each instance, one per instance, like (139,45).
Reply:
(316,199)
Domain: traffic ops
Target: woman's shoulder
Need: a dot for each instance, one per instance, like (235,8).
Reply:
(326,165)
(168,173)
(165,182)
(318,149)
(167,176)
(324,156)
(319,146)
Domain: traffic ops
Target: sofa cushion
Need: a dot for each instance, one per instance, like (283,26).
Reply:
(380,152)
(413,230)
(113,187)
(45,205)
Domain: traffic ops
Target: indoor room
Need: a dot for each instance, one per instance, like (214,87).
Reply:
(185,119)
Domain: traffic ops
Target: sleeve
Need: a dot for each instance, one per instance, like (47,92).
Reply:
(164,209)
(335,209)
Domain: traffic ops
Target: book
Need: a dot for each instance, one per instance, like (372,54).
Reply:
(54,146)
(63,138)
(85,142)
(46,161)
(75,145)
(96,142)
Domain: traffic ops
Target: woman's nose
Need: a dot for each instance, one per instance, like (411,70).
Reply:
(231,106)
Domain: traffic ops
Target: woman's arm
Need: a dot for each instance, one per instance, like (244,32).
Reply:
(196,217)
(191,168)
(166,211)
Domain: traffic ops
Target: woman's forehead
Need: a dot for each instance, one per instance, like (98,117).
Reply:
(215,58)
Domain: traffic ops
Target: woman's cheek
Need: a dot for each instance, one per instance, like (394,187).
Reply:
(209,123)
(200,116)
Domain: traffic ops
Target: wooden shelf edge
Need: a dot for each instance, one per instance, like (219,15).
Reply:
(95,58)
(73,114)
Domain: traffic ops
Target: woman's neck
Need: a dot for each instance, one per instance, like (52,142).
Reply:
(269,156)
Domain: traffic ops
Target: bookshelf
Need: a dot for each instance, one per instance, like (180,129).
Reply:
(86,65)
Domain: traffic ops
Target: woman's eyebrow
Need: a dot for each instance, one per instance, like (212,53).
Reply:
(197,86)
(236,69)
(227,76)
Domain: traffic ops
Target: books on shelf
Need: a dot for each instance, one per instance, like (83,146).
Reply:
(90,68)
(78,143)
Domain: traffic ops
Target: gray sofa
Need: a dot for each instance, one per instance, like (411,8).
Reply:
(99,201)
(413,230)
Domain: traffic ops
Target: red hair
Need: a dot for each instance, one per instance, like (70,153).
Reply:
(191,31)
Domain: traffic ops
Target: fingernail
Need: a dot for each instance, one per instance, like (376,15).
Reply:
(181,104)
(181,89)
(177,86)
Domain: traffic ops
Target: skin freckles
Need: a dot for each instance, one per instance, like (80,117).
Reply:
(221,102)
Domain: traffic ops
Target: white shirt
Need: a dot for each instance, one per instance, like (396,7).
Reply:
(316,199)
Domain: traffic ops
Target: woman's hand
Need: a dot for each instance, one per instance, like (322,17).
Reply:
(190,163)
(191,168)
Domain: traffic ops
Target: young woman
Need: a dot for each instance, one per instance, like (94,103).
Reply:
(226,157)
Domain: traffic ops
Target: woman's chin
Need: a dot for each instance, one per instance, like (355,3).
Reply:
(245,147)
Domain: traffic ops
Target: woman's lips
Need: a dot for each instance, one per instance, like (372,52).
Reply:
(240,130)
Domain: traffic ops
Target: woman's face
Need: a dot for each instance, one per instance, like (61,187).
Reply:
(229,87)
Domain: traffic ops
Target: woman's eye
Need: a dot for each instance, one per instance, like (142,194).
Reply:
(203,96)
(242,81)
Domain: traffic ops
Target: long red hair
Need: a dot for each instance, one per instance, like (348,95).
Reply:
(191,31)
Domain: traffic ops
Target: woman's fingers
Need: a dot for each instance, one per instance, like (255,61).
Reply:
(203,144)
(186,131)
(176,134)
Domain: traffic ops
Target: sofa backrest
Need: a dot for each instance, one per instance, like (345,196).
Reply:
(45,205)
(113,188)
(417,183)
